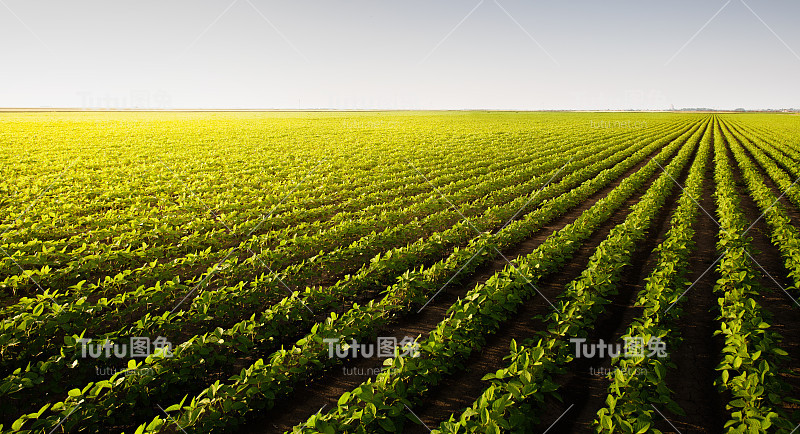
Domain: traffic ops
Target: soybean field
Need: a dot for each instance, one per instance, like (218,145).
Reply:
(415,272)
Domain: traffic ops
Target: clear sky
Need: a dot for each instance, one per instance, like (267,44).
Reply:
(410,54)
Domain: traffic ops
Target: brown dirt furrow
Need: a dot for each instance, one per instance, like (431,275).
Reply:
(697,356)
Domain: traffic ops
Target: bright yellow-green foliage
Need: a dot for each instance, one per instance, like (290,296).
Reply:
(234,233)
(123,179)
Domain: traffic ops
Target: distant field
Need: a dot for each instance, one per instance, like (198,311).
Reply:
(213,272)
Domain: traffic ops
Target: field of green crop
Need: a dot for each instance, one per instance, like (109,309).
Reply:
(206,272)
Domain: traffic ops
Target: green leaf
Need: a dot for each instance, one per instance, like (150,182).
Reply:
(344,398)
(738,403)
(606,423)
(17,425)
(387,425)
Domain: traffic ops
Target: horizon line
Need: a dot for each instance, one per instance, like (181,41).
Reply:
(195,109)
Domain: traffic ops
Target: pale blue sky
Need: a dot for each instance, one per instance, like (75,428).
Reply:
(505,54)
